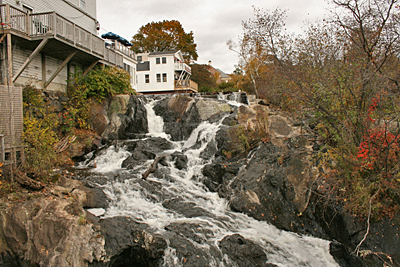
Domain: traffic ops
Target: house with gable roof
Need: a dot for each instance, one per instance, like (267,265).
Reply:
(163,72)
(44,42)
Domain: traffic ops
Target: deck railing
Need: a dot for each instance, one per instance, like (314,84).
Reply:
(50,23)
(186,85)
(42,23)
(180,66)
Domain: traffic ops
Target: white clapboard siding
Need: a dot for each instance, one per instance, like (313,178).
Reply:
(51,66)
(73,13)
(34,69)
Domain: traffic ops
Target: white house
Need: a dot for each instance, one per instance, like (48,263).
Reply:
(163,72)
(45,41)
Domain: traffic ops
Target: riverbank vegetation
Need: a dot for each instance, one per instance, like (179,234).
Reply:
(342,78)
(47,124)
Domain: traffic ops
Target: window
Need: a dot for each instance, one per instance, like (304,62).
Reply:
(164,77)
(127,68)
(27,9)
(147,78)
(164,60)
(157,60)
(82,4)
(139,58)
(158,77)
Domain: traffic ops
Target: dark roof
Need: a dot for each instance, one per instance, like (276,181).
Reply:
(145,65)
(162,53)
(223,74)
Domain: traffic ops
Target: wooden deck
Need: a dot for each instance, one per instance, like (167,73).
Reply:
(37,26)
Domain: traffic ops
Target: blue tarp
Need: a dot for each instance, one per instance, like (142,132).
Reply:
(113,36)
(110,35)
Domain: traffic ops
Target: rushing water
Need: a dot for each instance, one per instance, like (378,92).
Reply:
(129,198)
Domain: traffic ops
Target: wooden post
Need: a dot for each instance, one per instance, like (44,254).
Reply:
(9,61)
(44,79)
(54,28)
(2,150)
(31,57)
(28,24)
(59,69)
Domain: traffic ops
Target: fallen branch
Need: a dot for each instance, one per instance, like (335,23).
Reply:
(25,181)
(64,143)
(153,167)
(357,250)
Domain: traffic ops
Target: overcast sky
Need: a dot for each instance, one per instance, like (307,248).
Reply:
(213,22)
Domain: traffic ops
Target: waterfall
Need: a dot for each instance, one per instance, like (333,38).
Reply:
(129,198)
(155,123)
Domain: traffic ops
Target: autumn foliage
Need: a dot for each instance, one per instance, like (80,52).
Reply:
(342,76)
(166,35)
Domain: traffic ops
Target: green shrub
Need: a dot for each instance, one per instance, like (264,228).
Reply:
(40,134)
(246,136)
(101,83)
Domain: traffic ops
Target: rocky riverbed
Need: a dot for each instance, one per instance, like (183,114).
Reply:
(198,208)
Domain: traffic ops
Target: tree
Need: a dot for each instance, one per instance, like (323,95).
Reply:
(345,74)
(166,35)
(203,78)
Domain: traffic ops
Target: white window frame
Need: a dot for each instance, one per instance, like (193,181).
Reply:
(82,4)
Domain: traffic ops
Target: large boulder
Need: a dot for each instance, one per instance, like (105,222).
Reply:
(182,114)
(48,231)
(129,243)
(243,251)
(121,117)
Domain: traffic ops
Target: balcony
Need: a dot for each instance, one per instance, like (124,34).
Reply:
(186,85)
(37,26)
(179,66)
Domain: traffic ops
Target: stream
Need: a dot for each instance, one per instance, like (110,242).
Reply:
(175,195)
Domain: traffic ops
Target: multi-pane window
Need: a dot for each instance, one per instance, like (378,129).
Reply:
(157,60)
(147,78)
(164,77)
(139,58)
(164,60)
(158,77)
(82,4)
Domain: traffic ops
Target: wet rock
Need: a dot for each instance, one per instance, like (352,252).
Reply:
(48,231)
(343,257)
(188,209)
(182,114)
(243,251)
(209,110)
(192,231)
(186,252)
(129,243)
(87,197)
(134,120)
(180,160)
(180,119)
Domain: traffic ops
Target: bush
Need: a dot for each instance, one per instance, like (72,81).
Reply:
(101,83)
(247,136)
(40,134)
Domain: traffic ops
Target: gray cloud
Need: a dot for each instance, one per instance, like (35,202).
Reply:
(212,22)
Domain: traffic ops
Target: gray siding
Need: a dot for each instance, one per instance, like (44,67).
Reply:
(34,69)
(73,13)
